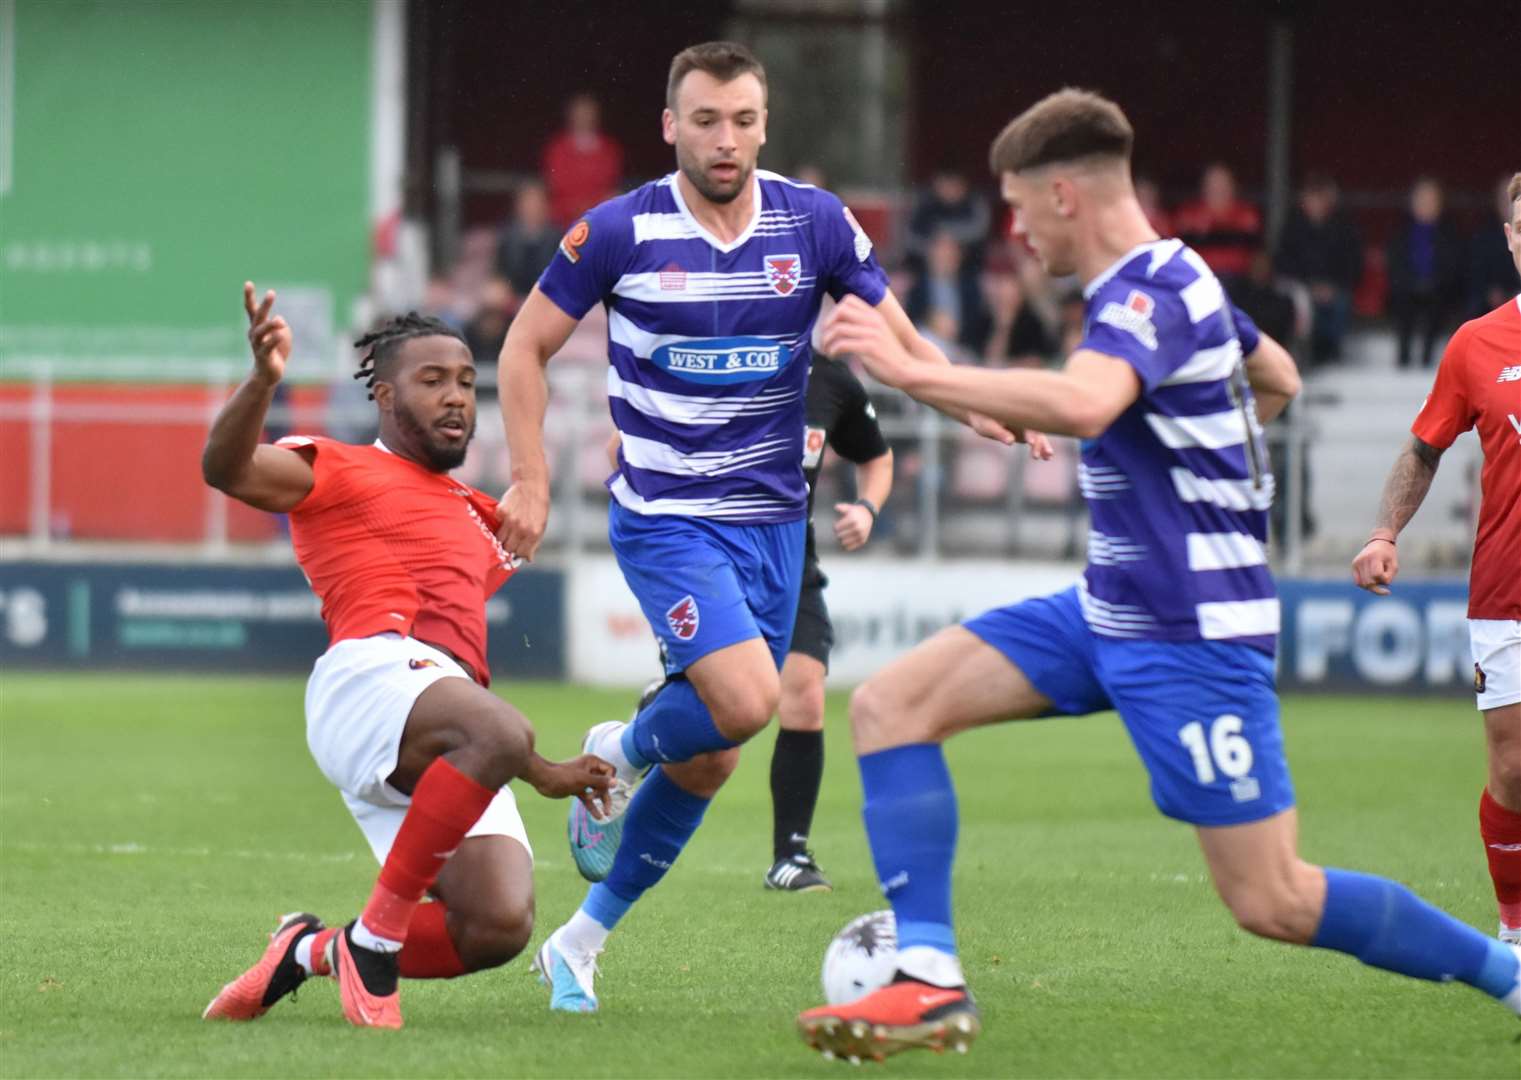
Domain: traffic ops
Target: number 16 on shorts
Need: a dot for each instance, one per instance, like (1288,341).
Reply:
(1221,750)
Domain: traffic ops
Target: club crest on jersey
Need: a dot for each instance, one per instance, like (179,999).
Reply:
(1480,681)
(673,278)
(572,242)
(682,618)
(783,273)
(418,665)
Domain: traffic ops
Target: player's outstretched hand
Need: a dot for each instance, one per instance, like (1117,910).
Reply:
(852,524)
(855,327)
(1376,566)
(268,336)
(524,511)
(587,777)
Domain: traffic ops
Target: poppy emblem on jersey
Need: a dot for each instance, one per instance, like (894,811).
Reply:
(783,273)
(418,665)
(571,243)
(673,278)
(1479,680)
(1140,303)
(682,617)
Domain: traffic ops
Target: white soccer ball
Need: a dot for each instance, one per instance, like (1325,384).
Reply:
(861,958)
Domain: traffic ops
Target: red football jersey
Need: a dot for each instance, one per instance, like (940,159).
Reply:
(1479,385)
(390,545)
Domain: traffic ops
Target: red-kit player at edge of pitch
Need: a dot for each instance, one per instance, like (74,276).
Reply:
(1478,385)
(398,716)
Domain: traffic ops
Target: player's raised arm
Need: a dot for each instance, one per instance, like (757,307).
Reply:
(1081,400)
(926,351)
(263,476)
(539,331)
(1273,376)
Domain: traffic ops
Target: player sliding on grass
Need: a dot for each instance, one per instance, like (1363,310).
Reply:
(1174,624)
(397,711)
(1478,385)
(712,278)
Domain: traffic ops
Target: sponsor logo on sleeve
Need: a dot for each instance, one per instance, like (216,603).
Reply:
(572,242)
(1133,317)
(813,446)
(682,617)
(783,272)
(863,242)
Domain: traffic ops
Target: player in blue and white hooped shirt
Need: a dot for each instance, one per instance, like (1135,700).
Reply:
(712,279)
(1174,624)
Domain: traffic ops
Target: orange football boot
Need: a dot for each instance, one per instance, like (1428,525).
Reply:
(900,1016)
(367,983)
(277,974)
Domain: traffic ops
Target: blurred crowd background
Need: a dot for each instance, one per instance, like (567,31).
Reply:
(1339,165)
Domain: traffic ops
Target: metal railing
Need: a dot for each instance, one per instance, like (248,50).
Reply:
(954,493)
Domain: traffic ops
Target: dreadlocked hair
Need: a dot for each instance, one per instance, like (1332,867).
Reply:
(383,341)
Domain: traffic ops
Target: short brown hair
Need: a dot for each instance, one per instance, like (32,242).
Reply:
(724,60)
(1514,191)
(1066,126)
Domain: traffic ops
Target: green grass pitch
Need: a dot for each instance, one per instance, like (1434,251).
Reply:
(153,828)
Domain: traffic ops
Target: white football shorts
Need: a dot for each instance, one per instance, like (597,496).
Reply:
(1496,645)
(357,702)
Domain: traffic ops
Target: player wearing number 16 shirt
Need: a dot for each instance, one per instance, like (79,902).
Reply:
(712,279)
(1173,625)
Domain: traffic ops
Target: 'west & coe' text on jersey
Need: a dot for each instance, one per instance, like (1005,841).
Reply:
(708,342)
(1178,487)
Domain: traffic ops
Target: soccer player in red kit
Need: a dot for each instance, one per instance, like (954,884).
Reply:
(1478,385)
(398,716)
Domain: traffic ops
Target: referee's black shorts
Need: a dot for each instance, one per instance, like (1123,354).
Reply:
(812,632)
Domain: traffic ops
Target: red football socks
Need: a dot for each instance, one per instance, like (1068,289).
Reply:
(429,952)
(445,805)
(1501,830)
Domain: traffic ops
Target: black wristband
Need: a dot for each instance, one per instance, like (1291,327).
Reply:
(871,507)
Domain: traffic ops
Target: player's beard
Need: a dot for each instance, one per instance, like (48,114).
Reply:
(698,177)
(440,457)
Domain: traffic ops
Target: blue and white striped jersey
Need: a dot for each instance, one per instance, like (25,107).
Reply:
(708,343)
(1178,487)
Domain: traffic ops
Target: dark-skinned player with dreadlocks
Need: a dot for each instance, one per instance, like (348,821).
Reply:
(398,714)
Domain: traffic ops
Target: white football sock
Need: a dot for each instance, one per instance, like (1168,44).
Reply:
(366,938)
(583,935)
(304,952)
(931,965)
(608,745)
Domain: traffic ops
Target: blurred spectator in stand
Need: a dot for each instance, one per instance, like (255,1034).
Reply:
(947,299)
(1150,197)
(808,173)
(1492,277)
(1320,248)
(1424,262)
(441,301)
(581,164)
(1017,334)
(949,206)
(1224,229)
(528,240)
(486,332)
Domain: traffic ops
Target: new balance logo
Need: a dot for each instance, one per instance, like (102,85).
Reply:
(1505,847)
(1510,374)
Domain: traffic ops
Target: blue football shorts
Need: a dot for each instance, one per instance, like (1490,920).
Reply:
(705,585)
(1203,715)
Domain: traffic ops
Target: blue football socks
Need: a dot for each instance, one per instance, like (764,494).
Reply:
(911,823)
(1385,925)
(675,726)
(660,820)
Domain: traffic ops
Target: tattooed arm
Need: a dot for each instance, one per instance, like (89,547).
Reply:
(1378,562)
